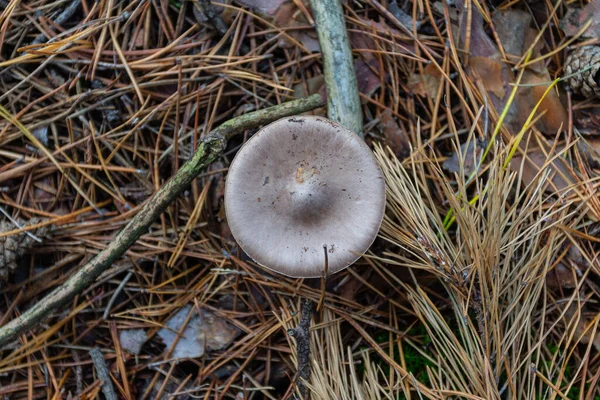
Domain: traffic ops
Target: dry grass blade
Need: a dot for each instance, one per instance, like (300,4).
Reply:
(493,272)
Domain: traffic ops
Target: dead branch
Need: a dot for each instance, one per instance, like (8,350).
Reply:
(103,374)
(302,335)
(343,101)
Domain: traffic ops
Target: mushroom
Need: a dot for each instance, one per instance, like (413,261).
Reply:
(300,187)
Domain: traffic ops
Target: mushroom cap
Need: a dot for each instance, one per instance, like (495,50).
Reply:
(299,184)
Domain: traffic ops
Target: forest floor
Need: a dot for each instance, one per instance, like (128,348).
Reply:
(484,282)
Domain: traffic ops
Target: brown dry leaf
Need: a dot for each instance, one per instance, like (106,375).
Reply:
(512,26)
(587,120)
(395,137)
(576,18)
(556,116)
(560,277)
(481,46)
(368,81)
(590,148)
(427,83)
(516,35)
(360,40)
(286,14)
(289,16)
(316,84)
(138,41)
(489,69)
(471,152)
(587,337)
(560,177)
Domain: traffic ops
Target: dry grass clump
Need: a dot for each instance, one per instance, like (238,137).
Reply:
(490,339)
(496,329)
(337,372)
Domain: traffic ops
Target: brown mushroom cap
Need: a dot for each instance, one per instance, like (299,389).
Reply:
(301,183)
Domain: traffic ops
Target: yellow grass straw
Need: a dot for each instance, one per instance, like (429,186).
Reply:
(449,219)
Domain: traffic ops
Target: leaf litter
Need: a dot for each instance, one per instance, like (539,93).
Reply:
(497,262)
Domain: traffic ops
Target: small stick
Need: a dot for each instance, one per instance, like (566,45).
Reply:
(115,294)
(209,149)
(343,100)
(103,374)
(302,335)
(62,17)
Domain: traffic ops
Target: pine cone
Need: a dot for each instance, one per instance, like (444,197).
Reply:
(13,247)
(586,59)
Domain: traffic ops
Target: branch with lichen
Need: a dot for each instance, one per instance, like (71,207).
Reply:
(209,149)
(343,100)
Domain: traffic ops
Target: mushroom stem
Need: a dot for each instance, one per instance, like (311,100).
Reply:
(209,149)
(343,100)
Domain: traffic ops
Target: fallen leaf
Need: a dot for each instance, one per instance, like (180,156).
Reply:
(512,26)
(132,340)
(576,18)
(395,137)
(314,85)
(560,277)
(360,39)
(584,330)
(203,332)
(427,83)
(590,148)
(516,35)
(471,153)
(368,81)
(587,120)
(489,69)
(555,115)
(560,176)
(138,41)
(289,16)
(402,16)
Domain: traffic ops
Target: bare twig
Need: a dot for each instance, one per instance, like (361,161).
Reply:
(343,101)
(302,335)
(62,17)
(208,150)
(103,374)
